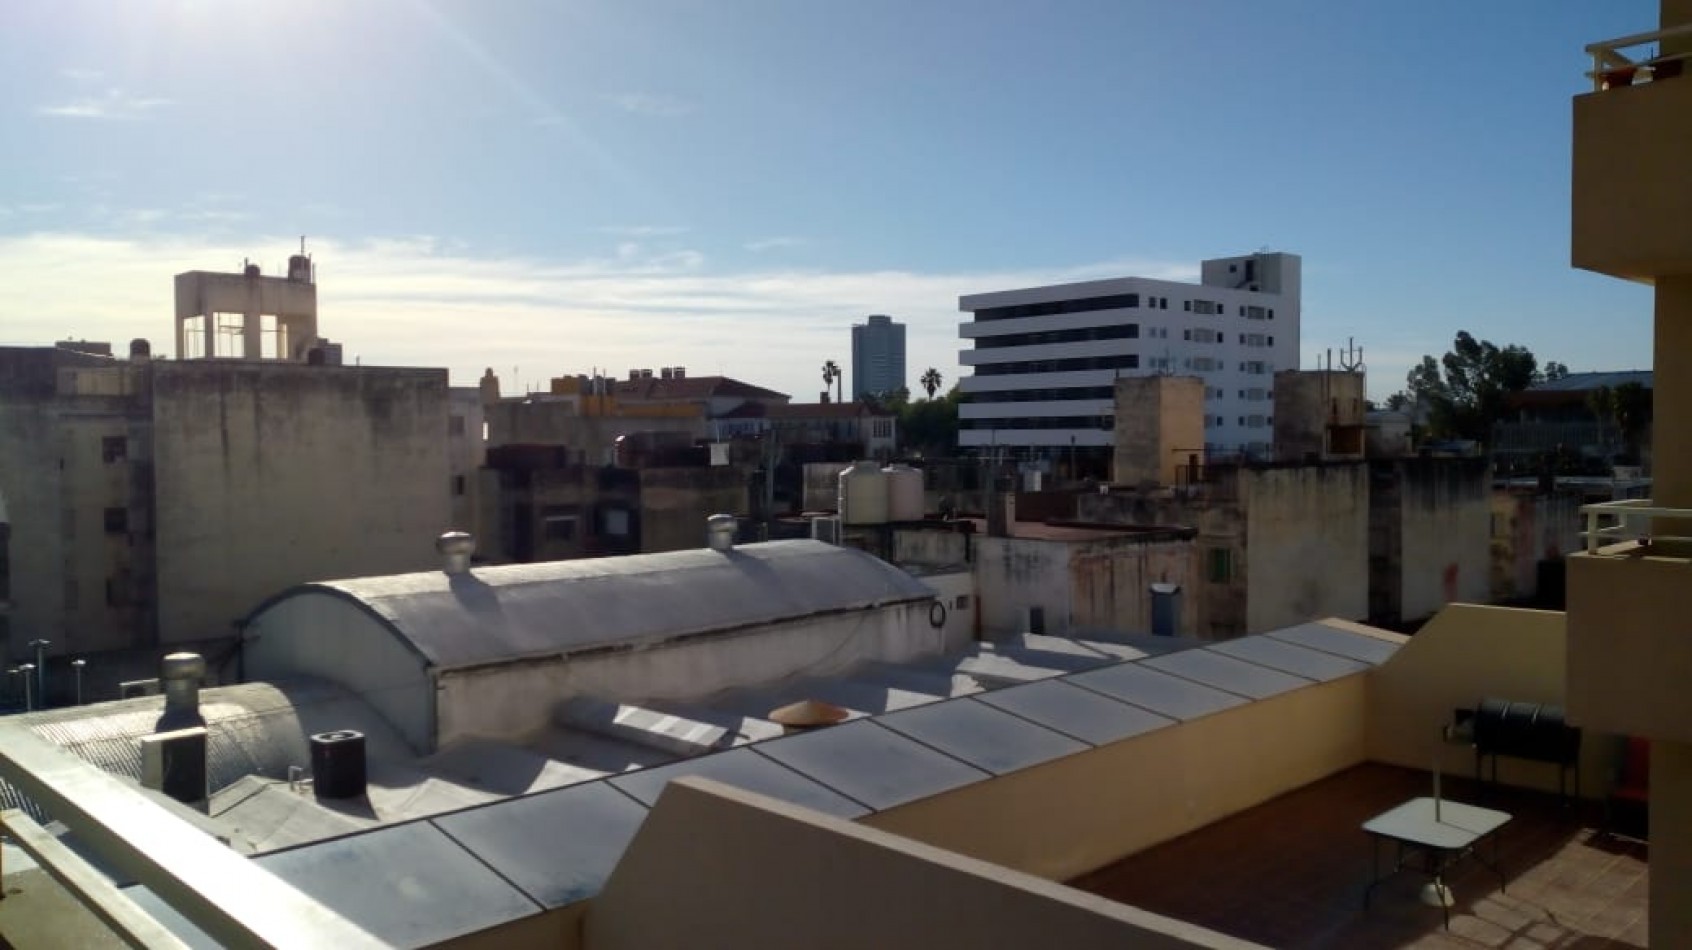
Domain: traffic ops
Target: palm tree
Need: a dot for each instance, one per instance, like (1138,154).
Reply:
(831,375)
(931,381)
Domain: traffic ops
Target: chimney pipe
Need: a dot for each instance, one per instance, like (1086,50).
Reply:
(719,532)
(455,548)
(181,674)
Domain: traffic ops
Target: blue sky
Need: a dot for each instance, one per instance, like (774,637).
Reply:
(548,186)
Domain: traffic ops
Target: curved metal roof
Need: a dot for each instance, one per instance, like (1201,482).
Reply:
(512,612)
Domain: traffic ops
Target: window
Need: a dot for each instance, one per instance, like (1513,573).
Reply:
(1121,331)
(1221,565)
(458,486)
(1187,305)
(882,428)
(1163,303)
(559,529)
(455,426)
(117,520)
(114,448)
(1085,305)
(962,603)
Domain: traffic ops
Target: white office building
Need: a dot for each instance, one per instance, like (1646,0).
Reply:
(1045,359)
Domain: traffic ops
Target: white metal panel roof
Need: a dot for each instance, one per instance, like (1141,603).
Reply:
(510,612)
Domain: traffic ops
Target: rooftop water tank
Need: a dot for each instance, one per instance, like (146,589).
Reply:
(863,494)
(904,493)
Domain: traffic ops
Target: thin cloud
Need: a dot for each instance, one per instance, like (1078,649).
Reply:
(421,301)
(644,103)
(113,104)
(76,74)
(774,244)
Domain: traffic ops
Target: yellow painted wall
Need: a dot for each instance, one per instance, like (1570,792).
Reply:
(1079,813)
(715,866)
(1463,655)
(1629,652)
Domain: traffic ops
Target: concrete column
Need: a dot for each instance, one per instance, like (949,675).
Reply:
(211,335)
(252,337)
(1671,465)
(1671,844)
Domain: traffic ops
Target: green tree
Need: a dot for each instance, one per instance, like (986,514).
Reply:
(1555,370)
(930,426)
(831,375)
(931,381)
(1466,390)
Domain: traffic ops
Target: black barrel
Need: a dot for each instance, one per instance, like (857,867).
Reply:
(337,764)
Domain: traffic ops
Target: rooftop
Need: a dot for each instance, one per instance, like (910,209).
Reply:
(1291,873)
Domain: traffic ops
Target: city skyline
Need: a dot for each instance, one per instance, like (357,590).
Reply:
(609,188)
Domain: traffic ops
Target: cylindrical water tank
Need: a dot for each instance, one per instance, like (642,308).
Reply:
(863,494)
(904,493)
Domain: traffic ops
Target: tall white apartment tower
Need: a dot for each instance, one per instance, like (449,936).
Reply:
(878,356)
(1045,359)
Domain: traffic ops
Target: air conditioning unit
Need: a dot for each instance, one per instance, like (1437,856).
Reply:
(136,688)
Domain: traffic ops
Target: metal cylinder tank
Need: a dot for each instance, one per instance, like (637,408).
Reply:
(863,494)
(904,493)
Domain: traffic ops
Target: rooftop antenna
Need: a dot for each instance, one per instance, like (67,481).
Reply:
(1351,358)
(302,244)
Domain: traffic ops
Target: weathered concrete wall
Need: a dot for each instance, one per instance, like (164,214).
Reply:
(1446,518)
(271,474)
(1527,529)
(930,547)
(1100,584)
(511,701)
(822,485)
(466,453)
(1216,600)
(1159,422)
(956,592)
(1318,413)
(70,580)
(674,503)
(1307,544)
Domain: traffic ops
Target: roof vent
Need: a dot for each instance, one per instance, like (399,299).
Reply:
(181,674)
(456,548)
(719,532)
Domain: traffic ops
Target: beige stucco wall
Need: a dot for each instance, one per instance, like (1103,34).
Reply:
(716,866)
(1082,812)
(1306,544)
(270,474)
(466,453)
(1465,654)
(1159,422)
(1629,649)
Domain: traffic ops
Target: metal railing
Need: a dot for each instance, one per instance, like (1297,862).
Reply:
(1610,66)
(227,896)
(1636,519)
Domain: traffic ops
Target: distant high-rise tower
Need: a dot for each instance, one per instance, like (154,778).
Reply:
(878,356)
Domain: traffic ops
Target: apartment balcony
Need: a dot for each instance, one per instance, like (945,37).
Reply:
(1629,643)
(1632,146)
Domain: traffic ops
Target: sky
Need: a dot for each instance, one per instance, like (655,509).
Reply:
(549,187)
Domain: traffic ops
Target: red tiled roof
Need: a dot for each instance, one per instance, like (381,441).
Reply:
(691,387)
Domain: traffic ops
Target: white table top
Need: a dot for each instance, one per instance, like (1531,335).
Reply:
(1458,825)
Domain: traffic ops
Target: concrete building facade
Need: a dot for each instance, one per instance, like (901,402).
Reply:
(1045,358)
(1319,415)
(878,357)
(1159,428)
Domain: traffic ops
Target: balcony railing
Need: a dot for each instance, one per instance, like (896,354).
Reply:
(1611,67)
(1635,519)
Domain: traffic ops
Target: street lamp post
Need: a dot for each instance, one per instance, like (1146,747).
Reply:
(40,646)
(29,698)
(77,665)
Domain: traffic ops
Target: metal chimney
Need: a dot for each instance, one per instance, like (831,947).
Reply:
(719,532)
(455,548)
